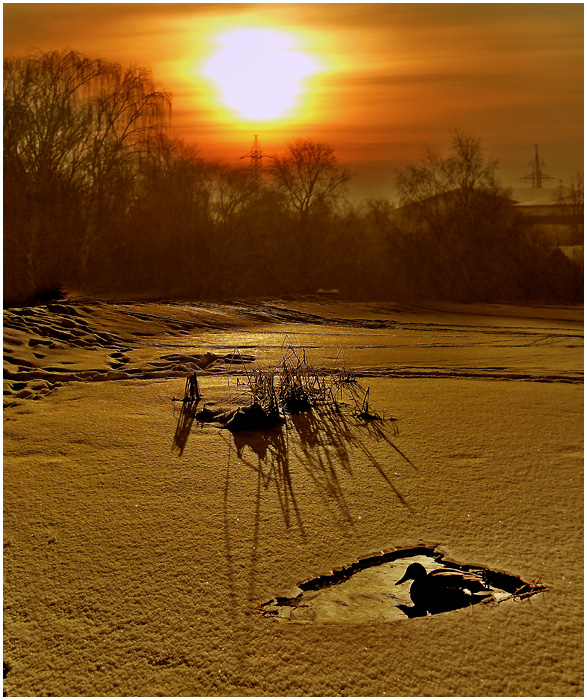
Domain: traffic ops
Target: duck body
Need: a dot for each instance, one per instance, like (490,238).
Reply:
(443,589)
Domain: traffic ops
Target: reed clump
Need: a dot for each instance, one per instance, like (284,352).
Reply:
(294,386)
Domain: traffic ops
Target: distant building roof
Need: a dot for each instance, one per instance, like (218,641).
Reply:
(536,196)
(573,253)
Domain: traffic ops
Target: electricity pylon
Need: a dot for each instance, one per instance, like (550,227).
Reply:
(537,175)
(256,156)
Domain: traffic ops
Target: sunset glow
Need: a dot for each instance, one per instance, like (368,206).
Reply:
(378,82)
(259,73)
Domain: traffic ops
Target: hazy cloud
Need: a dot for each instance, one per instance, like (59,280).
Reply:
(400,74)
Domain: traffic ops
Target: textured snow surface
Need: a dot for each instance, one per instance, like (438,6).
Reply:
(135,555)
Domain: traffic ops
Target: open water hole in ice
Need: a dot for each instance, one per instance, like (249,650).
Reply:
(366,593)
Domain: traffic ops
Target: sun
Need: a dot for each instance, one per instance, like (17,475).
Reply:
(259,73)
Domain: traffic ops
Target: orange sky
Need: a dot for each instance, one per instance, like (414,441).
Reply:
(394,78)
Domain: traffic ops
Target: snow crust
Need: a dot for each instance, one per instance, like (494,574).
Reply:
(134,567)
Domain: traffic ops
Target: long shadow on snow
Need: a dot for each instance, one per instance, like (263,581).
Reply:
(321,441)
(184,426)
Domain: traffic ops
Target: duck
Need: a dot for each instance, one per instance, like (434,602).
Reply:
(443,589)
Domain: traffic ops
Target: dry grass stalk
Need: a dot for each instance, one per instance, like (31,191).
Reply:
(529,589)
(192,392)
(294,385)
(364,411)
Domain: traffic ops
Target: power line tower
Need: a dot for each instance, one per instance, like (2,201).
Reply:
(537,175)
(256,156)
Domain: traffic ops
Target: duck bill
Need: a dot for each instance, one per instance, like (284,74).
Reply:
(403,579)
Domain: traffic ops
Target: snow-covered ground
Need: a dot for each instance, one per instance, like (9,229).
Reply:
(138,544)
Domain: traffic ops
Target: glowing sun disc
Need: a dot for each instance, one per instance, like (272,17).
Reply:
(259,72)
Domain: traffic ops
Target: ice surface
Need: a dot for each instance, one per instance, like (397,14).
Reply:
(134,568)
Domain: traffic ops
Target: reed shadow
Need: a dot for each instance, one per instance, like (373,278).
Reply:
(378,432)
(272,466)
(324,454)
(184,426)
(322,441)
(336,433)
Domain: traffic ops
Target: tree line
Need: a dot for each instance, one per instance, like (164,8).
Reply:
(99,197)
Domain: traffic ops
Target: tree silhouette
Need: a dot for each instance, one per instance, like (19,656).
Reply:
(99,197)
(463,172)
(454,209)
(310,178)
(74,130)
(572,199)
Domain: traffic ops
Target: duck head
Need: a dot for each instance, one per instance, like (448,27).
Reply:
(414,572)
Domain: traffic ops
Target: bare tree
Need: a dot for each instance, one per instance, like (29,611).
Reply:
(233,190)
(310,179)
(454,210)
(466,170)
(170,218)
(74,129)
(572,198)
(45,157)
(463,172)
(309,175)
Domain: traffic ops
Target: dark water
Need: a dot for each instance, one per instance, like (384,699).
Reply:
(366,590)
